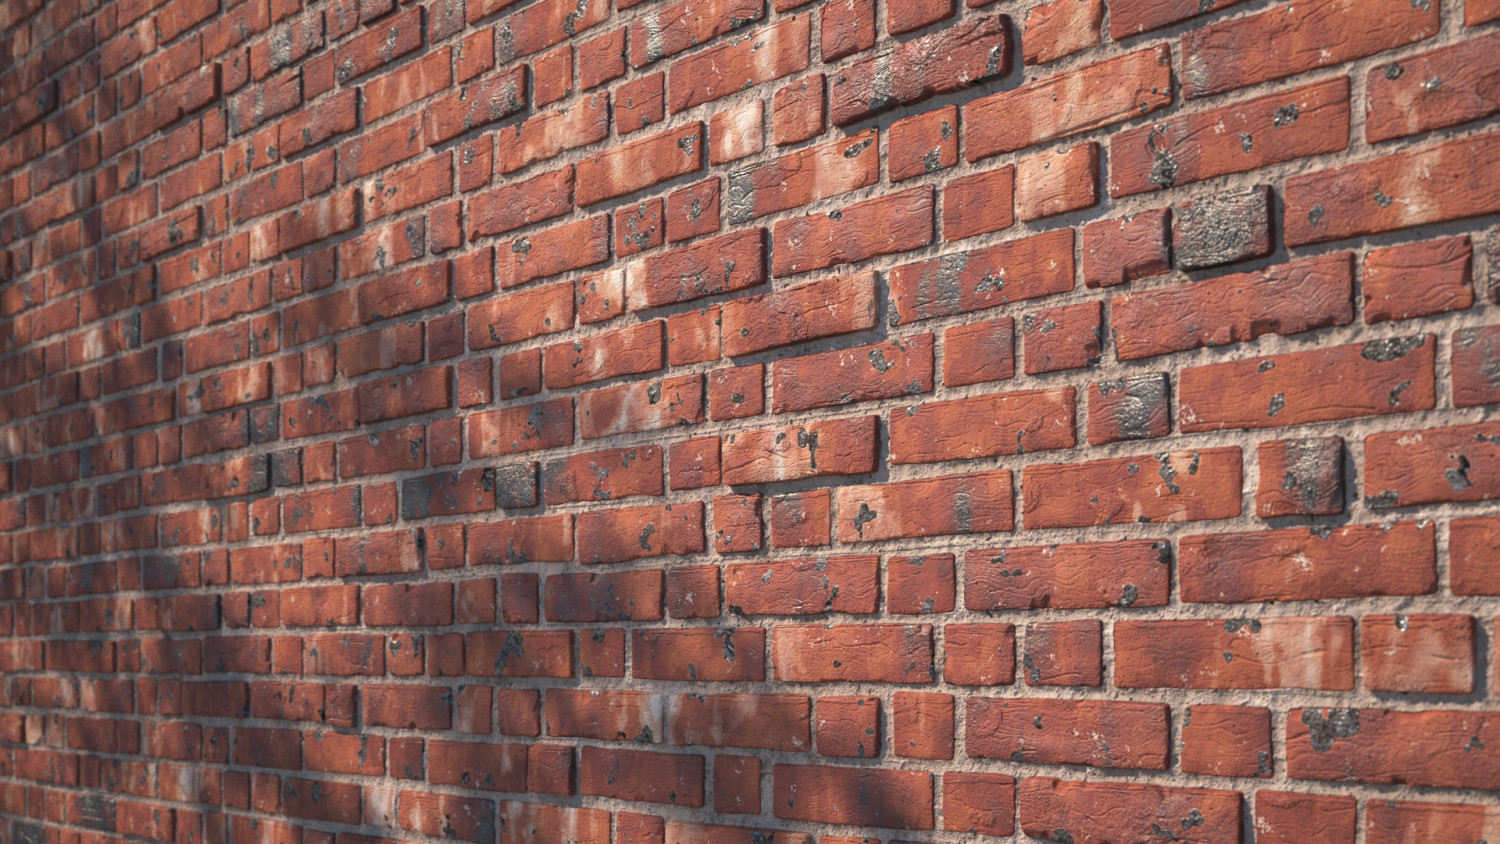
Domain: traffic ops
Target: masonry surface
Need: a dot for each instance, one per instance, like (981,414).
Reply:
(747,421)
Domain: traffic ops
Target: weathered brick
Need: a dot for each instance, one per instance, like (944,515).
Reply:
(983,278)
(1246,136)
(1136,84)
(779,50)
(956,504)
(1169,487)
(893,223)
(906,72)
(984,426)
(1377,377)
(1283,299)
(845,447)
(885,370)
(1325,33)
(1296,653)
(1430,184)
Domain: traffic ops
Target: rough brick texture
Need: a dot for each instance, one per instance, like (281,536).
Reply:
(748,421)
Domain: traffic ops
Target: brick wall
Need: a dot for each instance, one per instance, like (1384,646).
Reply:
(736,421)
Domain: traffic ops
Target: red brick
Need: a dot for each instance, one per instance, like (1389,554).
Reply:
(983,278)
(525,823)
(889,224)
(1137,16)
(631,533)
(1296,653)
(1246,136)
(979,803)
(956,504)
(919,585)
(641,406)
(693,211)
(803,587)
(512,206)
(1185,486)
(737,784)
(670,778)
(604,475)
(848,726)
(1443,749)
(848,27)
(1403,468)
(1283,299)
(845,446)
(1055,183)
(439,814)
(638,227)
(736,392)
(1376,377)
(1062,28)
(1098,733)
(1064,653)
(552,133)
(1403,100)
(980,352)
(1133,408)
(534,653)
(1301,477)
(736,65)
(556,250)
(862,373)
(984,426)
(964,54)
(1418,279)
(1227,741)
(736,133)
(772,722)
(1065,337)
(1123,250)
(1473,559)
(1106,811)
(1290,565)
(797,112)
(718,265)
(552,76)
(403,605)
(693,336)
(737,524)
(546,539)
(1131,86)
(682,26)
(705,654)
(1213,60)
(544,425)
(925,143)
(592,598)
(895,799)
(1425,654)
(379,45)
(483,766)
(801,520)
(871,653)
(640,103)
(979,204)
(408,394)
(640,164)
(1430,184)
(1393,822)
(803,177)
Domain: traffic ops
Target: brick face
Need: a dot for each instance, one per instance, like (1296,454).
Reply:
(726,421)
